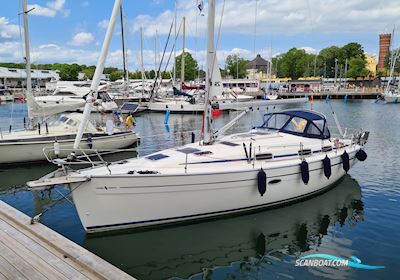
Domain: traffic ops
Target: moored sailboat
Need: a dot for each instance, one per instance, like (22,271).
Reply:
(27,145)
(290,157)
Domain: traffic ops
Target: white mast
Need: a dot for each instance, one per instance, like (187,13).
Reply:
(183,55)
(29,97)
(211,59)
(124,54)
(141,59)
(174,81)
(92,96)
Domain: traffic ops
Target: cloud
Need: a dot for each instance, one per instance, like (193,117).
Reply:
(82,38)
(285,17)
(51,9)
(8,31)
(41,11)
(103,24)
(310,50)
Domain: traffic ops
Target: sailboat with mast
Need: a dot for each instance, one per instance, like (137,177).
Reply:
(391,94)
(290,157)
(29,145)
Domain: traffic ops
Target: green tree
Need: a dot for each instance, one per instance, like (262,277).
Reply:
(88,73)
(329,55)
(191,67)
(295,63)
(236,66)
(357,68)
(116,74)
(353,49)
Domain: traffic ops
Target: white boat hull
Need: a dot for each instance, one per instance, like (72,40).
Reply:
(175,107)
(392,98)
(122,201)
(6,98)
(13,152)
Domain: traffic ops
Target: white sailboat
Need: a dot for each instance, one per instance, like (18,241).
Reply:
(392,93)
(288,158)
(28,145)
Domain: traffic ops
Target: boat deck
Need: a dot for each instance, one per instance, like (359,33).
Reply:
(37,252)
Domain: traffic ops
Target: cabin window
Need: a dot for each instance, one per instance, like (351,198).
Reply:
(63,119)
(65,93)
(296,124)
(70,122)
(277,121)
(313,130)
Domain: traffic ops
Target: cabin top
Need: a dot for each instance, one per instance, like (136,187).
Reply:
(302,123)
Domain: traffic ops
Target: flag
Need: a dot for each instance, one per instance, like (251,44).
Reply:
(200,6)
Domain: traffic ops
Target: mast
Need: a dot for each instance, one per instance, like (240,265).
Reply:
(124,49)
(183,55)
(141,59)
(207,125)
(92,96)
(174,79)
(29,96)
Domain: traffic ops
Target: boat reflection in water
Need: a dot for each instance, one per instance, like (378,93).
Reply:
(201,249)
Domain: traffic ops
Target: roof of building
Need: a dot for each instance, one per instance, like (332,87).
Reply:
(14,73)
(257,62)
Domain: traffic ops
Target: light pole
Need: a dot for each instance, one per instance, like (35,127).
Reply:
(315,65)
(336,68)
(237,67)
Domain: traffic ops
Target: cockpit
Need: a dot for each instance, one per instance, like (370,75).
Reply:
(298,122)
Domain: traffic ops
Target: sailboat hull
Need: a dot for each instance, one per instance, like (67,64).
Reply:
(175,107)
(393,98)
(123,201)
(29,150)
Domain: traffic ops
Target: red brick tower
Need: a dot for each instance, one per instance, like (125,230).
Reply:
(384,49)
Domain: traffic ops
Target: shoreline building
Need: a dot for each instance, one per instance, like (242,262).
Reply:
(385,41)
(257,68)
(16,78)
(371,64)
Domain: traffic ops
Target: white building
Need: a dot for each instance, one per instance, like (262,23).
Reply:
(16,78)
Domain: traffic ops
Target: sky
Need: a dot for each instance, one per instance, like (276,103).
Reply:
(72,31)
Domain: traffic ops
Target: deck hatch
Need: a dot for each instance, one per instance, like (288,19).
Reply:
(130,107)
(189,150)
(157,157)
(229,143)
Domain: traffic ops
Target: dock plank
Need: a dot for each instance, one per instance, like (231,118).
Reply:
(9,271)
(38,248)
(29,263)
(40,252)
(24,267)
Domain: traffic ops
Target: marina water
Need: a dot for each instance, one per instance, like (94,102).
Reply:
(359,217)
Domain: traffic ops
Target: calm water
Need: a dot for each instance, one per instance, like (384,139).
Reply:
(359,217)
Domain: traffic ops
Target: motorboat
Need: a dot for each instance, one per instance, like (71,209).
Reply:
(289,157)
(6,96)
(73,94)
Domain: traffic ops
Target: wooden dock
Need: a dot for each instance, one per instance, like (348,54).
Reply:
(36,252)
